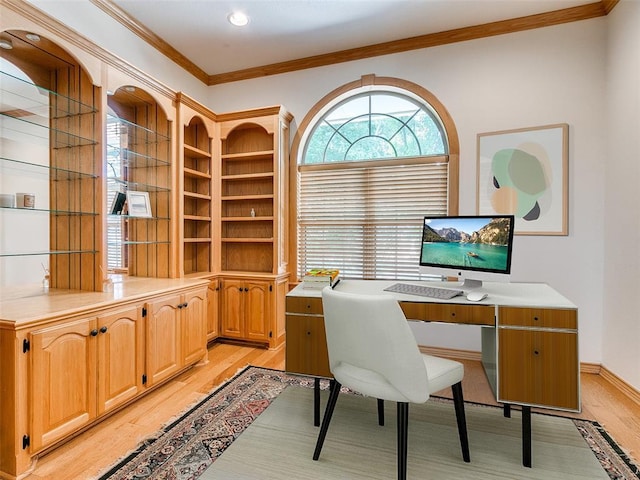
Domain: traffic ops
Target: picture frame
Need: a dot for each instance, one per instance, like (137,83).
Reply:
(524,172)
(138,204)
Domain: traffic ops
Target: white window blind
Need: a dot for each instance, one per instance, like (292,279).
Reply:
(365,218)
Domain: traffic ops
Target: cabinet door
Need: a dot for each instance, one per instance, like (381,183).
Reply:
(163,338)
(231,324)
(257,310)
(120,357)
(306,351)
(538,367)
(63,380)
(194,327)
(213,315)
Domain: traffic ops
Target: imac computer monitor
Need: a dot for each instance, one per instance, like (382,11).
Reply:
(469,248)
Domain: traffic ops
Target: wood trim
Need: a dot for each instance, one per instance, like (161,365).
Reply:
(58,29)
(368,80)
(557,17)
(620,384)
(186,100)
(451,353)
(151,38)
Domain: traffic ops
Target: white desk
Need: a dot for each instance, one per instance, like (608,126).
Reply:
(529,343)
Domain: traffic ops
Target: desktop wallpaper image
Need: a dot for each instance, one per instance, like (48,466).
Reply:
(478,243)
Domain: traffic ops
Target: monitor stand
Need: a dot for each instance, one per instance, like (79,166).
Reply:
(470,283)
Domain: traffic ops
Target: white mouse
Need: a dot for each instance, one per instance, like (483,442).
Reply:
(476,296)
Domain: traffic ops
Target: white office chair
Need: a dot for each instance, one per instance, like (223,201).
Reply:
(373,351)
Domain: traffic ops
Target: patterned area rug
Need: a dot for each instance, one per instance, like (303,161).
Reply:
(186,447)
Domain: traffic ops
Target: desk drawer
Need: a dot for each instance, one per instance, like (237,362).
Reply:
(306,305)
(538,318)
(450,313)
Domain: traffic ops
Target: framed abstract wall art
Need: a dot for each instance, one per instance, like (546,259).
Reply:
(524,173)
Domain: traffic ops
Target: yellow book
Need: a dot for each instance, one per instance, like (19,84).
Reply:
(322,275)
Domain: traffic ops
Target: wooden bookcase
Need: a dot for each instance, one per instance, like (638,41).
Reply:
(51,139)
(197,209)
(254,152)
(253,224)
(142,155)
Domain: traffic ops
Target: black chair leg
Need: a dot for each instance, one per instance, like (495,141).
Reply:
(331,405)
(403,438)
(458,402)
(380,412)
(316,402)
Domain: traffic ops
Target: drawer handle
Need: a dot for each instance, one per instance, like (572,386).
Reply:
(536,318)
(453,314)
(103,330)
(536,352)
(308,333)
(94,332)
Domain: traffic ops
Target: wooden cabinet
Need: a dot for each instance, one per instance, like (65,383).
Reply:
(120,357)
(81,369)
(252,309)
(253,188)
(197,188)
(538,357)
(246,309)
(307,346)
(176,334)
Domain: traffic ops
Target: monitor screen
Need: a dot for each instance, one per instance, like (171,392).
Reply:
(468,246)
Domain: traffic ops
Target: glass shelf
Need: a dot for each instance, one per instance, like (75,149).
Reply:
(14,128)
(53,105)
(127,242)
(129,217)
(137,186)
(45,253)
(47,211)
(53,173)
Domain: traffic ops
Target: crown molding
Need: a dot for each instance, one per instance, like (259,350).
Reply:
(557,17)
(71,36)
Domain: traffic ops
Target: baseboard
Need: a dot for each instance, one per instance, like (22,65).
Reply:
(451,353)
(620,385)
(591,368)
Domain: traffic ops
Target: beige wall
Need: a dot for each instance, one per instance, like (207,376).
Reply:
(531,78)
(621,322)
(584,74)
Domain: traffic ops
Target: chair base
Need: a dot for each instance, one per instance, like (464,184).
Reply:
(402,425)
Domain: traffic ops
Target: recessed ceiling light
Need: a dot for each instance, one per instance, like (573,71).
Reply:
(33,37)
(238,19)
(6,44)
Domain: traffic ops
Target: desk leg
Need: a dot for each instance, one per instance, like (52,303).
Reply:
(507,410)
(526,436)
(316,402)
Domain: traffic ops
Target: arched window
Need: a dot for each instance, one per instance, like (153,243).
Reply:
(375,125)
(374,160)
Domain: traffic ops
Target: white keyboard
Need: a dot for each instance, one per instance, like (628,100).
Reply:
(424,291)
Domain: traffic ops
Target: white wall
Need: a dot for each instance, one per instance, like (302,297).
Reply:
(539,77)
(585,74)
(621,322)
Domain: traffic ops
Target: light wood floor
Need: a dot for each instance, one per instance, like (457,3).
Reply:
(95,450)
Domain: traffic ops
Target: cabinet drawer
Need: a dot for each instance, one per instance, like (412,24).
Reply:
(306,305)
(450,313)
(538,318)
